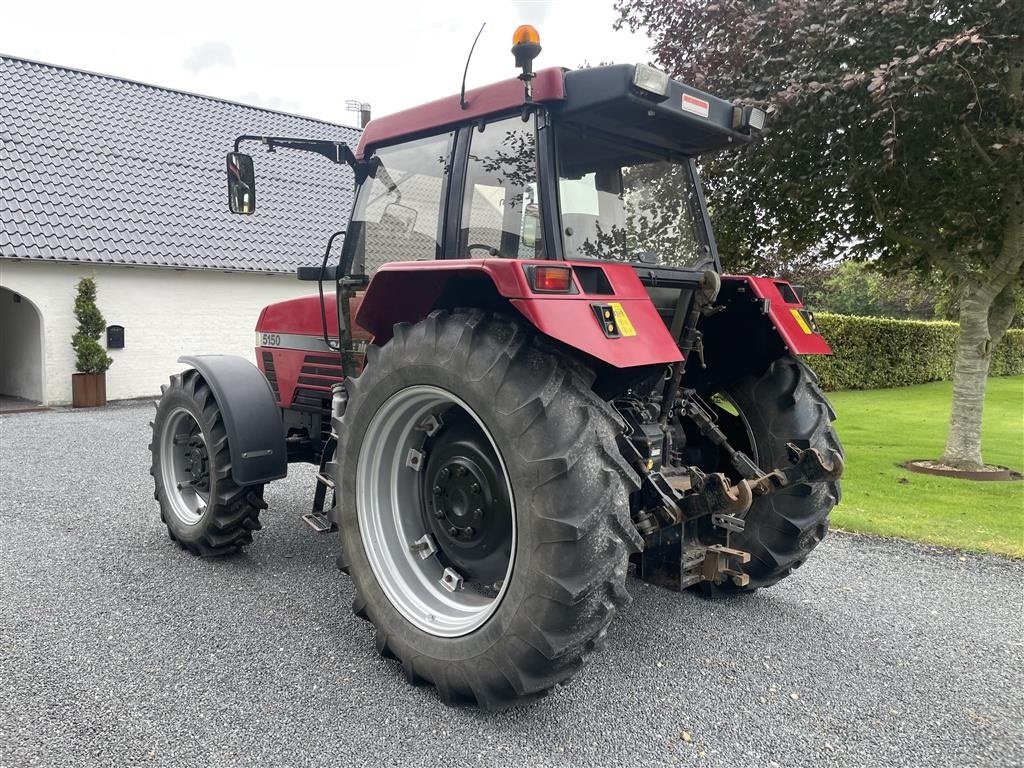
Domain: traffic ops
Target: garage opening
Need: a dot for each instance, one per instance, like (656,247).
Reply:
(21,352)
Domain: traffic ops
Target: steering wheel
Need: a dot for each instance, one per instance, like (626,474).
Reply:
(491,250)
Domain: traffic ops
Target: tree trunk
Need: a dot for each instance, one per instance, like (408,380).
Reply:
(970,372)
(986,310)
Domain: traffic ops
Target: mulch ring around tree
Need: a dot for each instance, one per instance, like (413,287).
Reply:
(990,472)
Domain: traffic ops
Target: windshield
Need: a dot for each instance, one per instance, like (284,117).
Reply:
(624,204)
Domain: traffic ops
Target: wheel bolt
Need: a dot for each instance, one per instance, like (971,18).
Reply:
(438,513)
(475,487)
(478,513)
(469,533)
(460,471)
(437,490)
(445,473)
(453,531)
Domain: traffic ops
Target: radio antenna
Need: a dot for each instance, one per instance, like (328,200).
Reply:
(462,95)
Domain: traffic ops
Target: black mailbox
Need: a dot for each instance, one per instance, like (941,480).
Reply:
(115,337)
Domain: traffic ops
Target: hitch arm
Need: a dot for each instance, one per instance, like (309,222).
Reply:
(807,467)
(700,414)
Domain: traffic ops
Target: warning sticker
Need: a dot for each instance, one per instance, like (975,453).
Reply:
(695,105)
(622,320)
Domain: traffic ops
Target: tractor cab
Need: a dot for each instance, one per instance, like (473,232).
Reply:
(594,164)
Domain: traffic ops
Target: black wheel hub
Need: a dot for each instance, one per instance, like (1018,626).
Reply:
(197,463)
(466,502)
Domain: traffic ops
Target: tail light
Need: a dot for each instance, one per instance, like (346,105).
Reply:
(545,279)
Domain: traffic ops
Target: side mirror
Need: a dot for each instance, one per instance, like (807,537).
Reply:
(241,183)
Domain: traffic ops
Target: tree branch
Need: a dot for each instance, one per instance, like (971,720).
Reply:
(936,250)
(1001,313)
(968,134)
(1010,260)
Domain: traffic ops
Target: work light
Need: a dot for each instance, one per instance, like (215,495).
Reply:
(651,80)
(749,118)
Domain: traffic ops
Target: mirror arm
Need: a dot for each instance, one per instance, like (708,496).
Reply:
(335,151)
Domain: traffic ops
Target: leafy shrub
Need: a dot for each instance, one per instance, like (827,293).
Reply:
(877,352)
(90,357)
(1008,356)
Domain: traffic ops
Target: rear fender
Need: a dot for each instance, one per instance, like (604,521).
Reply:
(761,319)
(788,316)
(409,291)
(251,417)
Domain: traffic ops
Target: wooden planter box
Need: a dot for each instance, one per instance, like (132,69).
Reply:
(88,390)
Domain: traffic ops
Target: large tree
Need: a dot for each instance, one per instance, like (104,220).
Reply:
(897,133)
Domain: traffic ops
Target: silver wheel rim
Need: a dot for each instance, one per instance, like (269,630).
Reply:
(390,513)
(182,437)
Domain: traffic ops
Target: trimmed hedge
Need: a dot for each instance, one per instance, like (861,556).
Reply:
(880,352)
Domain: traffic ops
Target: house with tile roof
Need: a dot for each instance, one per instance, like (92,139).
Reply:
(125,182)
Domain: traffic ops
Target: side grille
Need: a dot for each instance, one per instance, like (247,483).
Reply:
(271,374)
(320,371)
(318,374)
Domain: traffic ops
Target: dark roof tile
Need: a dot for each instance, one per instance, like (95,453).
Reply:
(103,170)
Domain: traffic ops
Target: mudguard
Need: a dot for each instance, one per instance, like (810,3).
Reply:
(251,417)
(789,318)
(408,291)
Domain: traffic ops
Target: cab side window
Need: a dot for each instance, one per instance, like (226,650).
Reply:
(397,213)
(500,211)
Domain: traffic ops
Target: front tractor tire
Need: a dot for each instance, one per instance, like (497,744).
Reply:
(484,508)
(762,413)
(203,509)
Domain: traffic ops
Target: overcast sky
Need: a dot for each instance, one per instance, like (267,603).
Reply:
(390,53)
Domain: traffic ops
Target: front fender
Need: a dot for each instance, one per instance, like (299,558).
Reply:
(408,291)
(252,419)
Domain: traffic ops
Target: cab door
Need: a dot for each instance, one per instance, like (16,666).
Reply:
(497,205)
(399,211)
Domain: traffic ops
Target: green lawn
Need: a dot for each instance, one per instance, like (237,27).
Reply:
(883,427)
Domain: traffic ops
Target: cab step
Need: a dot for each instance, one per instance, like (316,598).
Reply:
(319,522)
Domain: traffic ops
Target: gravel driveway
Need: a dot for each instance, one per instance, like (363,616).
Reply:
(118,649)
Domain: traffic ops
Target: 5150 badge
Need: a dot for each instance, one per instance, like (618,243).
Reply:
(268,339)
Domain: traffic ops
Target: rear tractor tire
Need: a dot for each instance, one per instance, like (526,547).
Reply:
(484,508)
(784,404)
(203,509)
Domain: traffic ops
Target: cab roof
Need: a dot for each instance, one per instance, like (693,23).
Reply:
(503,96)
(684,121)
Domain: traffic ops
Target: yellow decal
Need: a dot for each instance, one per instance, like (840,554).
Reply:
(800,321)
(622,320)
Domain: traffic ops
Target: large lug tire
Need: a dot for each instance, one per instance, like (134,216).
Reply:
(524,419)
(203,509)
(782,405)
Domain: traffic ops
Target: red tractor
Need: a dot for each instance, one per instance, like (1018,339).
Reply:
(532,375)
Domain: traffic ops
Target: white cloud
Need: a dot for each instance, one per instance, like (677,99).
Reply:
(212,53)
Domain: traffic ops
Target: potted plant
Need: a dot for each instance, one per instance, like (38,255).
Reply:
(89,385)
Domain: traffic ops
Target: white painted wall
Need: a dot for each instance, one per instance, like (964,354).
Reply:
(21,349)
(165,312)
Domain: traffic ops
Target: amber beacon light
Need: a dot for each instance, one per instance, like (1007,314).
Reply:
(526,34)
(526,48)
